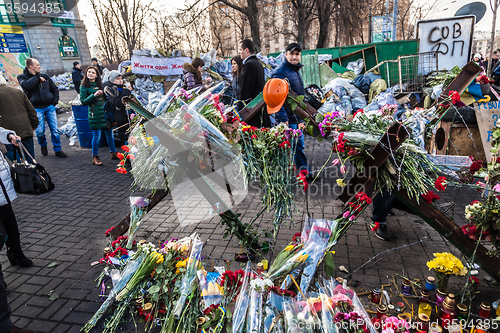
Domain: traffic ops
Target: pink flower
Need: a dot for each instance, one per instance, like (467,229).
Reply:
(346,214)
(336,161)
(342,169)
(352,218)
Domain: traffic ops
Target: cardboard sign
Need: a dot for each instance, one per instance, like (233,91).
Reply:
(450,37)
(158,66)
(487,115)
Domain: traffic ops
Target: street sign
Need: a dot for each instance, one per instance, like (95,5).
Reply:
(61,15)
(12,39)
(381,29)
(450,37)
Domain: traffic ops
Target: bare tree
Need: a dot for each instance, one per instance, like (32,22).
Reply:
(122,26)
(251,11)
(107,39)
(494,4)
(193,21)
(324,11)
(165,35)
(301,15)
(220,21)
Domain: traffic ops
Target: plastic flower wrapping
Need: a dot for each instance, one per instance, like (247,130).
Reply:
(138,207)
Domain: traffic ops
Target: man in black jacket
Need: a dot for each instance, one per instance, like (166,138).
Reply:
(44,95)
(77,75)
(252,82)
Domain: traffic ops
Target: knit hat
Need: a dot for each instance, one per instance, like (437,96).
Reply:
(113,75)
(477,55)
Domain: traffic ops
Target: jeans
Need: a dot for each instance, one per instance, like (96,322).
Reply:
(28,143)
(49,114)
(5,323)
(96,137)
(381,204)
(300,157)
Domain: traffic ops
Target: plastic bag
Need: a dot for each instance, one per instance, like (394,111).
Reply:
(210,288)
(356,66)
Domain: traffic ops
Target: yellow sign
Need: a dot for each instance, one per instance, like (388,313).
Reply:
(10,29)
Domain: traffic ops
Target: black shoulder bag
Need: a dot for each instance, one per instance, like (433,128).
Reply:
(29,178)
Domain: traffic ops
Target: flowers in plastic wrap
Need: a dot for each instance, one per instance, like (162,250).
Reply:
(138,206)
(274,306)
(343,305)
(188,283)
(287,260)
(242,301)
(130,269)
(319,236)
(300,317)
(257,287)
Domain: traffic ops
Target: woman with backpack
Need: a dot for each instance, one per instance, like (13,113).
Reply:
(91,94)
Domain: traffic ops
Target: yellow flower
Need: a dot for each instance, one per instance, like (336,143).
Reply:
(289,248)
(340,182)
(447,263)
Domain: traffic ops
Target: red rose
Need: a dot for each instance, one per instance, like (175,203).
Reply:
(120,156)
(187,117)
(125,148)
(376,226)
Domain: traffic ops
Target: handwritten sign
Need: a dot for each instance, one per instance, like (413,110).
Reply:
(158,66)
(487,115)
(450,37)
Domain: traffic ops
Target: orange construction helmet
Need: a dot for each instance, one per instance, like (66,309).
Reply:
(275,92)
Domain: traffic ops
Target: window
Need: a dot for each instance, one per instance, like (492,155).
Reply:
(67,46)
(7,14)
(62,5)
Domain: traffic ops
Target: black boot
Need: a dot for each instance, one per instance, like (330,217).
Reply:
(17,257)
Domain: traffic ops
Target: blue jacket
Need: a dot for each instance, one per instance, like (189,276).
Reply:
(291,72)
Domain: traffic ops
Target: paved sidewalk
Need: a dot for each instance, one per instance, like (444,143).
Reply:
(67,225)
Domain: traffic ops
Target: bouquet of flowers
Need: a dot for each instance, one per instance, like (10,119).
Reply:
(393,324)
(242,301)
(483,79)
(287,260)
(274,306)
(269,156)
(257,288)
(446,264)
(128,272)
(138,206)
(300,317)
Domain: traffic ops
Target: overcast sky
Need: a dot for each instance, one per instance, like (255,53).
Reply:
(444,8)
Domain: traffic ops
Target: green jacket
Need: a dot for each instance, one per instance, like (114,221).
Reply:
(96,110)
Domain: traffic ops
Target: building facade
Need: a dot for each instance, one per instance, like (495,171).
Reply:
(53,34)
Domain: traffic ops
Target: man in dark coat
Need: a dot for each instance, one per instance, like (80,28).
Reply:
(252,81)
(44,95)
(289,69)
(95,63)
(19,115)
(77,75)
(115,91)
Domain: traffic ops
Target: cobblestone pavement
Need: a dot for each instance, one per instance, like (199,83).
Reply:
(63,232)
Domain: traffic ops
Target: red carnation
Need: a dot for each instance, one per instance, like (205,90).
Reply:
(285,144)
(187,117)
(187,128)
(125,148)
(476,166)
(376,226)
(439,184)
(120,156)
(296,237)
(429,197)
